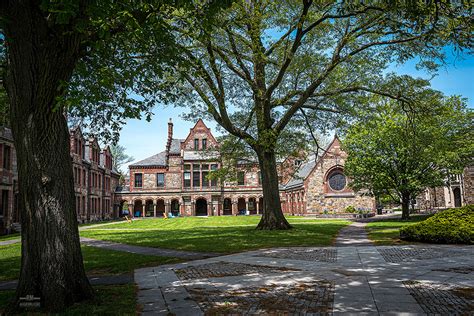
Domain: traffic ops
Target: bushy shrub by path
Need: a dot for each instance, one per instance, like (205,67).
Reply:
(453,226)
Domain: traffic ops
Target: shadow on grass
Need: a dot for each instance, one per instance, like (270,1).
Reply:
(223,239)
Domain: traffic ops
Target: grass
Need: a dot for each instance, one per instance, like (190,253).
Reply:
(108,300)
(10,237)
(97,261)
(222,234)
(387,232)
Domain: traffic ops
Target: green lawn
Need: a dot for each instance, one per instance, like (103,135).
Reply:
(96,261)
(108,300)
(222,234)
(10,237)
(386,232)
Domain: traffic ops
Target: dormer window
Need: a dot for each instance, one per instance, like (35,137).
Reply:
(196,144)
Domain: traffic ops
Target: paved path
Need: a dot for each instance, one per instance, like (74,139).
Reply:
(385,280)
(9,242)
(146,250)
(94,280)
(353,235)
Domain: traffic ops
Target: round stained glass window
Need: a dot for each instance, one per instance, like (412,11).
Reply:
(337,181)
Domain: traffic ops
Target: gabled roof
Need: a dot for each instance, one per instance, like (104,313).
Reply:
(155,160)
(199,123)
(307,167)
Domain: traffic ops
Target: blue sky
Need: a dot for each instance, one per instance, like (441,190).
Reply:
(143,139)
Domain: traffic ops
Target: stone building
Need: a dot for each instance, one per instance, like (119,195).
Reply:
(175,182)
(95,181)
(320,186)
(8,181)
(458,191)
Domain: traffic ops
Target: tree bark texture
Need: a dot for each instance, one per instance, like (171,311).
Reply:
(42,56)
(272,217)
(405,205)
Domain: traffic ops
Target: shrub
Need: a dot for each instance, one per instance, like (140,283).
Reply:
(453,226)
(350,209)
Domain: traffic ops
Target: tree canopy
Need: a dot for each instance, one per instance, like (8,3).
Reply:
(400,149)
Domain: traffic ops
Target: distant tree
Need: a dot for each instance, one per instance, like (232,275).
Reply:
(269,63)
(120,158)
(400,149)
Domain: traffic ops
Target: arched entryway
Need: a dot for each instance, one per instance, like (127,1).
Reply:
(201,207)
(260,205)
(252,206)
(457,197)
(174,208)
(137,208)
(241,206)
(160,208)
(227,207)
(149,212)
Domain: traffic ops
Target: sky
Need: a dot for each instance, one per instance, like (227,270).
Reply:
(143,139)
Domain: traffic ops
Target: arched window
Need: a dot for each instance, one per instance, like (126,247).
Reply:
(337,180)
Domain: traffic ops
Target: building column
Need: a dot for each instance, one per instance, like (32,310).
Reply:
(258,205)
(154,208)
(234,208)
(143,208)
(130,209)
(167,208)
(247,211)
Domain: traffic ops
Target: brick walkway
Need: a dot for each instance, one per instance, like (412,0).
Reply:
(414,280)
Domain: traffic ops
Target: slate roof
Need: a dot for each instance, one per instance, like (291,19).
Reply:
(303,171)
(155,160)
(175,147)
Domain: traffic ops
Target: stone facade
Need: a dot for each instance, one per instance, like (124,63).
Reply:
(458,191)
(311,193)
(8,181)
(174,182)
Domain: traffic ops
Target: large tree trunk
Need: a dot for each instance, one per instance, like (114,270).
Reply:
(272,217)
(40,59)
(405,205)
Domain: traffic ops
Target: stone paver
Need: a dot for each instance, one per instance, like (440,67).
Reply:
(307,254)
(145,250)
(360,282)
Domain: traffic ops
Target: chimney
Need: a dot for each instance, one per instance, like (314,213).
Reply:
(170,138)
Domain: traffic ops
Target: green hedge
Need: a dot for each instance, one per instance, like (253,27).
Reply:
(453,226)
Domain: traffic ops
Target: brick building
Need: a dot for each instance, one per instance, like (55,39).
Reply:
(95,181)
(174,182)
(8,181)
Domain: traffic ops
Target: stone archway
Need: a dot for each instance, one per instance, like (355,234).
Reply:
(201,207)
(252,206)
(160,208)
(138,208)
(149,211)
(457,197)
(174,207)
(227,207)
(241,207)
